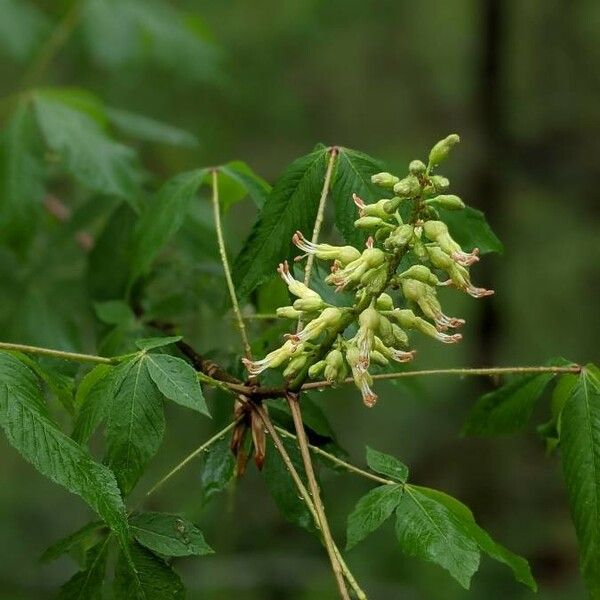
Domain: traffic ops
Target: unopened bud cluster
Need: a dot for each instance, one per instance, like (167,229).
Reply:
(323,349)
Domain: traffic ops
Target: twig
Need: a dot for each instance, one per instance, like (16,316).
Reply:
(226,269)
(272,429)
(333,152)
(191,457)
(74,356)
(315,492)
(53,44)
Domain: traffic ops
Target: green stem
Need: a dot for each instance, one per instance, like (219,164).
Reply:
(226,269)
(73,356)
(190,457)
(53,44)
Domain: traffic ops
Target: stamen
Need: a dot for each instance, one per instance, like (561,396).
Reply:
(284,270)
(449,339)
(478,292)
(370,242)
(466,259)
(401,356)
(369,397)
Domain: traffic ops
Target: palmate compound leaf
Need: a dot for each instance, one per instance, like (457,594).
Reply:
(580,450)
(95,160)
(146,577)
(353,176)
(168,535)
(291,205)
(507,409)
(29,428)
(161,219)
(87,584)
(438,528)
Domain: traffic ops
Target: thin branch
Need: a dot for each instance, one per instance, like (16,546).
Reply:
(338,461)
(462,372)
(225,261)
(53,44)
(315,492)
(272,429)
(190,457)
(73,356)
(333,152)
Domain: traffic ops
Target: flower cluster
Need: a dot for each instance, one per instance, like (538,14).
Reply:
(410,253)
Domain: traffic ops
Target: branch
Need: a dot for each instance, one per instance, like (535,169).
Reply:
(225,261)
(315,492)
(73,356)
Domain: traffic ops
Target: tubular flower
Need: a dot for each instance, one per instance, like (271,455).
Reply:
(420,273)
(393,353)
(343,254)
(372,210)
(424,295)
(365,338)
(272,360)
(362,379)
(459,276)
(296,287)
(437,231)
(329,318)
(351,274)
(335,366)
(406,318)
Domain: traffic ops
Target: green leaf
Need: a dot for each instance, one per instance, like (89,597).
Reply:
(21,179)
(162,219)
(87,584)
(95,160)
(149,130)
(281,485)
(507,409)
(168,535)
(22,27)
(218,469)
(29,429)
(470,229)
(427,529)
(92,399)
(236,180)
(371,511)
(292,205)
(177,381)
(387,465)
(149,578)
(71,541)
(580,450)
(136,422)
(493,549)
(353,176)
(157,342)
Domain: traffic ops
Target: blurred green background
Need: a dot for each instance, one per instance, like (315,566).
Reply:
(264,82)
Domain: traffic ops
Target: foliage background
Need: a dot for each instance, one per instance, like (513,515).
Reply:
(519,82)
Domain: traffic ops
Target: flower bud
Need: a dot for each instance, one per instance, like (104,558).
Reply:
(400,336)
(344,254)
(384,302)
(295,365)
(400,237)
(420,273)
(369,222)
(379,359)
(441,150)
(449,201)
(330,318)
(288,312)
(371,210)
(309,304)
(385,331)
(386,180)
(335,366)
(440,183)
(374,279)
(417,167)
(391,206)
(409,187)
(418,248)
(315,370)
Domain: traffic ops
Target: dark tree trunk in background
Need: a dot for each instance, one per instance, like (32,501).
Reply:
(486,182)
